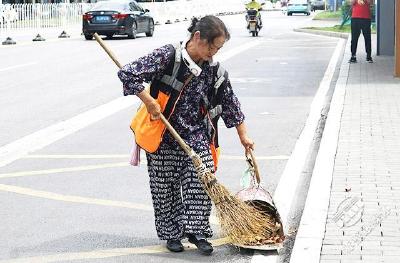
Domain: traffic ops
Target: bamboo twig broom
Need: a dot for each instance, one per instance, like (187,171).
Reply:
(239,221)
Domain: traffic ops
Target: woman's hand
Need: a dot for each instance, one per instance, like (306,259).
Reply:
(244,139)
(151,104)
(154,109)
(247,143)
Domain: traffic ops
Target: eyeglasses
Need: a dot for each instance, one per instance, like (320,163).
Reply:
(212,48)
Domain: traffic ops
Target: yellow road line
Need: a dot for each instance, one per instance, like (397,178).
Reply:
(75,156)
(80,199)
(105,165)
(111,156)
(64,170)
(105,253)
(72,198)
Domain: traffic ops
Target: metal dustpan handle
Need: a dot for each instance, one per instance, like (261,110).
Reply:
(253,163)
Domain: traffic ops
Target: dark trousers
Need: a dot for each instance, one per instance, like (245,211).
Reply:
(358,25)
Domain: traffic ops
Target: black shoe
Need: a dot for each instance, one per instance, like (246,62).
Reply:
(202,244)
(369,59)
(353,59)
(174,245)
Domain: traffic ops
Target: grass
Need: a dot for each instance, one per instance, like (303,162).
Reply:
(328,15)
(345,29)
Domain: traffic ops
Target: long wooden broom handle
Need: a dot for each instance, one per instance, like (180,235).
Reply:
(107,50)
(255,166)
(171,129)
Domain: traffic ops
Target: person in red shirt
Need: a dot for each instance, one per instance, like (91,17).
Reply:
(361,21)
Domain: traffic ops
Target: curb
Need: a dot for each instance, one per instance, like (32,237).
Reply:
(311,231)
(286,190)
(322,33)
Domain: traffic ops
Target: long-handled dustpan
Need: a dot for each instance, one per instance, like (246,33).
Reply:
(256,196)
(239,221)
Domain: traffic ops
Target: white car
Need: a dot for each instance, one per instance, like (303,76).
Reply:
(298,6)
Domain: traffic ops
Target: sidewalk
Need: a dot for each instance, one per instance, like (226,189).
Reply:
(351,213)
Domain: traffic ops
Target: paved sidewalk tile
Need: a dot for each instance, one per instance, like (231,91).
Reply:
(363,223)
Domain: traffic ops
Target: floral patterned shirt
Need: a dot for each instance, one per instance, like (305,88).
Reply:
(186,118)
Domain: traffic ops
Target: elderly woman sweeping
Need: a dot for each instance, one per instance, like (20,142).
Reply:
(195,93)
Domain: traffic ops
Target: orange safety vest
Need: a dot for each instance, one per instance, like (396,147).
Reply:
(167,90)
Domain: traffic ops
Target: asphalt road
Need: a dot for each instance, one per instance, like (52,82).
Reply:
(76,198)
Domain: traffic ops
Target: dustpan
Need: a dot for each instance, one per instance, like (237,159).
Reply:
(256,196)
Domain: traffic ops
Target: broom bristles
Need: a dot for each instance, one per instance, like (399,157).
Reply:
(242,223)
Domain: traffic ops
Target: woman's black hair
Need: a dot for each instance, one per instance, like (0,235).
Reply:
(210,27)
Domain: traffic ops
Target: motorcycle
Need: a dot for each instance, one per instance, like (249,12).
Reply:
(253,23)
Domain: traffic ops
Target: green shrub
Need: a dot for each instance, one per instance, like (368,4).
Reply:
(346,13)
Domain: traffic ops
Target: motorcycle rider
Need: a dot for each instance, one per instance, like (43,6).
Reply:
(253,4)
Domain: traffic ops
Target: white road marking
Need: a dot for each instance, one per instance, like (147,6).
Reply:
(37,140)
(234,51)
(285,192)
(18,66)
(250,80)
(312,227)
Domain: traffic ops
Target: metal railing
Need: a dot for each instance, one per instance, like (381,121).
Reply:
(22,18)
(16,18)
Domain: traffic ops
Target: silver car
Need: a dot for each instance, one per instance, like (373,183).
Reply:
(317,5)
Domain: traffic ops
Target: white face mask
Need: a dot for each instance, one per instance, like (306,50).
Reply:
(193,67)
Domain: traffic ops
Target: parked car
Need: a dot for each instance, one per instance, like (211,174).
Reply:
(117,17)
(298,6)
(317,5)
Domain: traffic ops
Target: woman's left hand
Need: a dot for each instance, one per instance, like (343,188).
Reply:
(244,139)
(247,143)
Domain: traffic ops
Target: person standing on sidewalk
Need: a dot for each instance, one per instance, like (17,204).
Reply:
(181,206)
(361,21)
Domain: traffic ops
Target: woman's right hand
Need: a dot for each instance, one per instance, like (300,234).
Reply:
(151,104)
(154,109)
